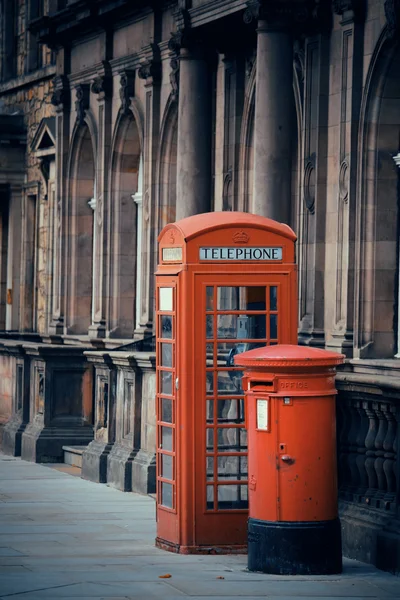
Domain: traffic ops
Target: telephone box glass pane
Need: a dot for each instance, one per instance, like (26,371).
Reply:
(166,355)
(209,326)
(165,299)
(166,438)
(273,297)
(229,382)
(273,327)
(167,490)
(209,468)
(241,327)
(209,298)
(166,466)
(210,497)
(210,382)
(231,439)
(166,327)
(166,382)
(210,440)
(210,411)
(241,298)
(231,411)
(232,467)
(166,410)
(232,496)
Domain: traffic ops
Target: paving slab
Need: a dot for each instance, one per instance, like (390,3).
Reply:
(64,537)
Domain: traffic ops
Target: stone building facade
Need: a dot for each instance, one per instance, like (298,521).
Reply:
(129,115)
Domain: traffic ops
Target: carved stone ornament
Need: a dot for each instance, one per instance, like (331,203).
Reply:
(344,182)
(280,12)
(174,77)
(392,13)
(101,86)
(309,187)
(151,69)
(126,90)
(61,93)
(82,102)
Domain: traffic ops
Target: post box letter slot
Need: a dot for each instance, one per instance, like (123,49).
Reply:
(262,414)
(260,384)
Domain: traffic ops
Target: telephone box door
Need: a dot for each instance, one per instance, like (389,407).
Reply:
(235,314)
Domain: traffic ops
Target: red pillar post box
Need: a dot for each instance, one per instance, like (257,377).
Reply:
(293,525)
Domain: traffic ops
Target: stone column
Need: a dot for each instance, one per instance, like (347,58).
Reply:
(193,186)
(273,112)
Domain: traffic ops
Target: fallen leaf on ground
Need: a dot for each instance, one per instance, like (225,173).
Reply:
(166,576)
(220,577)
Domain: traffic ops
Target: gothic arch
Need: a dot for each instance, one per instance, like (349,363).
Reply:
(81,189)
(376,249)
(126,168)
(166,166)
(246,156)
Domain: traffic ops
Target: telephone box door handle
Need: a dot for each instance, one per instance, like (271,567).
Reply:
(286,458)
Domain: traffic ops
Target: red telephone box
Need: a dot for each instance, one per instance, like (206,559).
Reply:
(226,283)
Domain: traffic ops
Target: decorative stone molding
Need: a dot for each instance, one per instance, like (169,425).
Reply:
(344,181)
(127,89)
(392,13)
(310,15)
(61,95)
(150,68)
(396,159)
(101,87)
(278,12)
(82,102)
(174,77)
(309,186)
(350,10)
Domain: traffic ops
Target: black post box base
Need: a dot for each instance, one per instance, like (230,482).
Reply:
(298,548)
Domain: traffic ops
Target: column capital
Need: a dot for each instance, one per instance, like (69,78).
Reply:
(282,14)
(349,10)
(61,93)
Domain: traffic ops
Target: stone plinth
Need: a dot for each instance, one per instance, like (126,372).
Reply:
(94,458)
(14,377)
(60,402)
(123,451)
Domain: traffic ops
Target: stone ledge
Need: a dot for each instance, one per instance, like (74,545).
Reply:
(15,84)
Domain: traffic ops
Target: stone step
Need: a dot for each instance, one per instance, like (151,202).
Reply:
(73,455)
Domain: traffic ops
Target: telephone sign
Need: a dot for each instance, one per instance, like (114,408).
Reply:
(226,283)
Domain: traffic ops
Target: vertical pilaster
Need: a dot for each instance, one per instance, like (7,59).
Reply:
(150,71)
(101,87)
(14,259)
(347,51)
(61,101)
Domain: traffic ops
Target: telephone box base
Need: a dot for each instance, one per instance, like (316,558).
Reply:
(178,549)
(295,548)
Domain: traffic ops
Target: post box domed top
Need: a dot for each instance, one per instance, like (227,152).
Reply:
(286,355)
(195,225)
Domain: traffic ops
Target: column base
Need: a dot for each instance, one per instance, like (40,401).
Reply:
(295,548)
(94,461)
(97,330)
(119,467)
(44,445)
(144,473)
(56,327)
(12,435)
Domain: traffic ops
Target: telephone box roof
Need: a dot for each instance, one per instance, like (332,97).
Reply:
(195,225)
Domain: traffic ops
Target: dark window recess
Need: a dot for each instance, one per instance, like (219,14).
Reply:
(9,39)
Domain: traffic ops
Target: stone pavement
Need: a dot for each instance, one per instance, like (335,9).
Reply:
(63,537)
